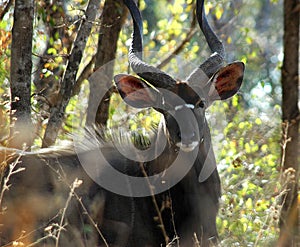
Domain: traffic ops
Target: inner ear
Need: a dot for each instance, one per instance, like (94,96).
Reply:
(226,82)
(136,92)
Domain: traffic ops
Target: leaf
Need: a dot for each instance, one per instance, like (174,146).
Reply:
(249,204)
(219,12)
(52,51)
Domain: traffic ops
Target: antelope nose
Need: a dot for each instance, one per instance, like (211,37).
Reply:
(188,139)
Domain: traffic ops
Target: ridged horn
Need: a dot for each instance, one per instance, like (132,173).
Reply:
(216,60)
(151,74)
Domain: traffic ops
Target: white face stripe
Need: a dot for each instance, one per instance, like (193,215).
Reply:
(179,107)
(187,148)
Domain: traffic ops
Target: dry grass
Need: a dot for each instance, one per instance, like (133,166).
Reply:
(33,217)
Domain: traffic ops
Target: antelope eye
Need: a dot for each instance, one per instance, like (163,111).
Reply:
(200,103)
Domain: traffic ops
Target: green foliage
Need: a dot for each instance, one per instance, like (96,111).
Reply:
(249,155)
(246,138)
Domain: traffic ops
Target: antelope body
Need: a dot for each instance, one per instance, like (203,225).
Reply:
(188,209)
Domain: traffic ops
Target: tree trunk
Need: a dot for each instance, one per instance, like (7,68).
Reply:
(21,67)
(47,87)
(69,77)
(290,117)
(113,17)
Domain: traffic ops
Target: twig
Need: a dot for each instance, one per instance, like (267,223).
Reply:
(91,220)
(197,243)
(40,240)
(48,57)
(285,140)
(272,216)
(11,172)
(190,34)
(285,179)
(173,221)
(24,236)
(85,211)
(155,205)
(75,185)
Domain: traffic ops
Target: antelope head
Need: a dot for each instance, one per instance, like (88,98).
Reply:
(182,103)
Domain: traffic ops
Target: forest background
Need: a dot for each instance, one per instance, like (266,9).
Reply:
(48,50)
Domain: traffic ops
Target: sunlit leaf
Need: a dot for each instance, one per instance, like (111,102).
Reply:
(219,12)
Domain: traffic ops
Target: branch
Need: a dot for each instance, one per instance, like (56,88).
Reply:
(180,47)
(85,74)
(6,9)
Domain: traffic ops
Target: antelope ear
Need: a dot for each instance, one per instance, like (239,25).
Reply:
(136,92)
(226,82)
